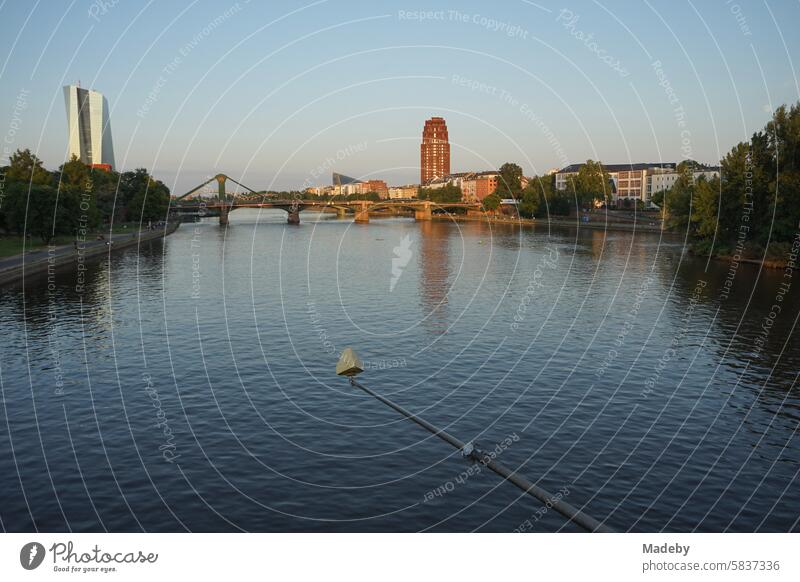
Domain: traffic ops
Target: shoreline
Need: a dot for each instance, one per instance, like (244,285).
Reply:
(768,263)
(555,222)
(765,262)
(34,263)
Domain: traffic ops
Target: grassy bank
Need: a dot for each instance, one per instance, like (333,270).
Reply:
(16,245)
(38,262)
(11,245)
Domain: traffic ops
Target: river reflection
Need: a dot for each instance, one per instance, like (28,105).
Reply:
(191,386)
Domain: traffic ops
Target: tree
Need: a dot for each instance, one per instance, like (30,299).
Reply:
(757,200)
(739,174)
(761,164)
(106,195)
(678,202)
(491,202)
(704,212)
(447,193)
(42,211)
(131,184)
(592,183)
(509,182)
(76,184)
(26,167)
(781,162)
(550,201)
(151,203)
(75,175)
(537,190)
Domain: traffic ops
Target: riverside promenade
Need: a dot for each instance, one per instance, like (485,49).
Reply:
(15,268)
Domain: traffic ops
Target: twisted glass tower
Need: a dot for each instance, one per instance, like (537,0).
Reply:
(88,126)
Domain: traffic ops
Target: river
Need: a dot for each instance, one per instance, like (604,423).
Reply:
(191,385)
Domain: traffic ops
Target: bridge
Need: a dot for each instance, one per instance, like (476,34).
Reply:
(224,205)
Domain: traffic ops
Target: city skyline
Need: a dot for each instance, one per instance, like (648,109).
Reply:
(366,268)
(370,78)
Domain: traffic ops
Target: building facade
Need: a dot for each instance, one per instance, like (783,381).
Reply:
(88,127)
(434,151)
(346,186)
(485,184)
(378,186)
(397,192)
(628,181)
(475,186)
(469,191)
(662,181)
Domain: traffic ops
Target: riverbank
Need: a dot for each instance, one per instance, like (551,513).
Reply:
(568,222)
(767,262)
(15,268)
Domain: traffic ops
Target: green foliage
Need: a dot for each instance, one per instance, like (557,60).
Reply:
(26,167)
(150,204)
(76,196)
(509,182)
(131,184)
(561,204)
(549,201)
(75,176)
(447,193)
(41,211)
(491,202)
(76,187)
(535,195)
(756,205)
(106,196)
(591,183)
(706,204)
(14,207)
(782,145)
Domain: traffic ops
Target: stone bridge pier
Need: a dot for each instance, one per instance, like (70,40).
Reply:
(223,215)
(362,213)
(294,215)
(423,213)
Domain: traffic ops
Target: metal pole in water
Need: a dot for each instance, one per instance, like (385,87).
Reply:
(349,365)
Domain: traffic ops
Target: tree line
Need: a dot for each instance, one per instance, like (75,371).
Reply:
(541,198)
(75,199)
(754,207)
(751,209)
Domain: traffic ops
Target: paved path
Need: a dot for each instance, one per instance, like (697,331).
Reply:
(11,267)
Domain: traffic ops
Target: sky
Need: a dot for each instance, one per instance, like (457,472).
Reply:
(280,94)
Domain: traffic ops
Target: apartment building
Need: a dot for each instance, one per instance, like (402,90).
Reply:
(408,191)
(664,180)
(629,181)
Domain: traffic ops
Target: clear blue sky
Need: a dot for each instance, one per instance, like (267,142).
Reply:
(267,92)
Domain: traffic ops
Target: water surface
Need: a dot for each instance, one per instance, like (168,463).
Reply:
(191,385)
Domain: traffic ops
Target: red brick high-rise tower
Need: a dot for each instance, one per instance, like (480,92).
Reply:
(434,151)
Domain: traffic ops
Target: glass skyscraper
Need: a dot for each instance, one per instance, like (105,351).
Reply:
(88,126)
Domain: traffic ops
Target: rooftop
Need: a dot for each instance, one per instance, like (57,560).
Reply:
(572,168)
